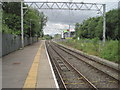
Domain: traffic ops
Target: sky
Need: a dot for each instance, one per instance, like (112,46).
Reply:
(59,20)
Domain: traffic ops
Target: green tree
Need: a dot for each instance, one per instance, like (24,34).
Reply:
(93,27)
(34,21)
(47,37)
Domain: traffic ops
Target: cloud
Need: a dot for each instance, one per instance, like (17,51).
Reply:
(59,18)
(54,28)
(90,1)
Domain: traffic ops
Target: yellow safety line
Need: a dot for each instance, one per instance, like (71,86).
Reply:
(75,83)
(31,79)
(92,82)
(74,78)
(112,81)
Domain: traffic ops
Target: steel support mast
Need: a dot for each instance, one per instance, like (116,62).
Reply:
(104,22)
(65,6)
(22,32)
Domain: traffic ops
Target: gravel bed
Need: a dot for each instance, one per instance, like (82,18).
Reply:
(70,77)
(99,79)
(110,71)
(92,57)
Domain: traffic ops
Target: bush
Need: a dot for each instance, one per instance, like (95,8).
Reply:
(107,51)
(110,51)
(6,29)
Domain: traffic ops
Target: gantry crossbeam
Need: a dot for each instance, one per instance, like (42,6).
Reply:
(67,6)
(64,6)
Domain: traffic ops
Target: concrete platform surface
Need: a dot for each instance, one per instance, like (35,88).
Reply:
(28,68)
(46,77)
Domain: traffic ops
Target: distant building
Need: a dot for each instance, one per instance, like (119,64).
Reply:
(68,34)
(72,34)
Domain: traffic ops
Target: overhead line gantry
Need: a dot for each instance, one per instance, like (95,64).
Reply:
(101,8)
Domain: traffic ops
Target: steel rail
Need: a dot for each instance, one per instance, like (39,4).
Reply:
(79,73)
(51,57)
(87,62)
(117,69)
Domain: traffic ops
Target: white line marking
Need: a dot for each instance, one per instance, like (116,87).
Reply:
(56,83)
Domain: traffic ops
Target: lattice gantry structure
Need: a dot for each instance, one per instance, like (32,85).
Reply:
(67,6)
(101,8)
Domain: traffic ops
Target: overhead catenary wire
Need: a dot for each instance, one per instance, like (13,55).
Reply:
(66,7)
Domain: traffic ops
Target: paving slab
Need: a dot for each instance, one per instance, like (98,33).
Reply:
(16,65)
(31,65)
(46,77)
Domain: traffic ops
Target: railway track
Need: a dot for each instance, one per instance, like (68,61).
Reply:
(96,73)
(112,72)
(70,77)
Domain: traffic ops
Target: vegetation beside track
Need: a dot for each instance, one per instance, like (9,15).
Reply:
(95,47)
(34,21)
(93,27)
(90,33)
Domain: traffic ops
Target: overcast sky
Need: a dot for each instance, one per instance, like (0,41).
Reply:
(58,20)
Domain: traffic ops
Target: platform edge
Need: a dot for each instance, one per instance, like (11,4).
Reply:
(55,80)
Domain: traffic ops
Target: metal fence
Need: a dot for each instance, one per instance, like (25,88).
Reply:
(12,43)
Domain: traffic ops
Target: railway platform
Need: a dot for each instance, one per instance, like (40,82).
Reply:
(28,68)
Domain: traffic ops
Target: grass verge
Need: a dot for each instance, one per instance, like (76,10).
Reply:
(95,47)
